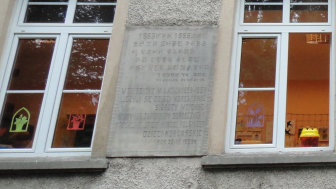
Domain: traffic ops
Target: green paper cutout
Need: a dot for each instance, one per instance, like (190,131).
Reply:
(20,121)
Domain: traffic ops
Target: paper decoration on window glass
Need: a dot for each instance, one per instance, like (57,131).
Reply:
(255,115)
(290,127)
(20,123)
(77,119)
(324,133)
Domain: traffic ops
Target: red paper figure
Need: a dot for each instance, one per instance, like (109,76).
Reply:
(77,120)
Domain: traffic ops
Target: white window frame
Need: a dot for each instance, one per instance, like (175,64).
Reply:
(60,91)
(281,30)
(69,18)
(64,34)
(285,13)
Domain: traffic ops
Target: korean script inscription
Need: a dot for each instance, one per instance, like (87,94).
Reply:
(164,90)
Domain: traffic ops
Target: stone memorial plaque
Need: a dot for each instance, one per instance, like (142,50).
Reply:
(163,97)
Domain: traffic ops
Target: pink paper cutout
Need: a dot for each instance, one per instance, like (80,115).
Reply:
(77,120)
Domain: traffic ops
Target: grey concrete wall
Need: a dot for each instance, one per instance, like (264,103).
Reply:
(174,173)
(174,12)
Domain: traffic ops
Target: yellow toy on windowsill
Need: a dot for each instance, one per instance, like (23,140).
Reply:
(309,137)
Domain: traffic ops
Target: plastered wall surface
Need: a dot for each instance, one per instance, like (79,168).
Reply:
(5,14)
(174,173)
(174,12)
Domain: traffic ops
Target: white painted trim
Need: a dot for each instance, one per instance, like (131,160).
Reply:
(232,125)
(96,3)
(285,13)
(82,91)
(257,89)
(47,3)
(60,91)
(281,30)
(69,14)
(24,91)
(63,33)
(263,3)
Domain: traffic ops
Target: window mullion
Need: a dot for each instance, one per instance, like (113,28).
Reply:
(332,78)
(282,91)
(286,12)
(70,11)
(330,12)
(235,77)
(51,91)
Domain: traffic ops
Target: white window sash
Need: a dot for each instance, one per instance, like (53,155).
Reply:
(285,13)
(6,78)
(61,79)
(281,82)
(233,110)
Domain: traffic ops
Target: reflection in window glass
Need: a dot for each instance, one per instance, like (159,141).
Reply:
(307,89)
(263,13)
(77,113)
(258,60)
(45,14)
(308,13)
(32,63)
(94,14)
(255,105)
(19,120)
(86,65)
(76,118)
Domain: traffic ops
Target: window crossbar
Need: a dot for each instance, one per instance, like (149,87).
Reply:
(48,3)
(257,89)
(96,3)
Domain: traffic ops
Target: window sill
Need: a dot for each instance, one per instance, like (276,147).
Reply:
(53,163)
(281,159)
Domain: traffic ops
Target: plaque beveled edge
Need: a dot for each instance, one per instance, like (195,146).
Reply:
(203,149)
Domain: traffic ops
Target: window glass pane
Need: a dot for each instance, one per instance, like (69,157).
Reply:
(97,1)
(46,14)
(76,120)
(263,13)
(32,63)
(86,65)
(48,0)
(94,14)
(254,123)
(19,120)
(307,88)
(258,60)
(308,13)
